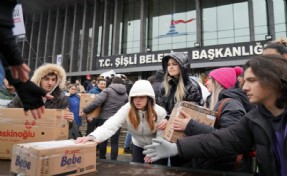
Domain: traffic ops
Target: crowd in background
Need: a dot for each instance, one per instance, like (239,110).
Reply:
(249,101)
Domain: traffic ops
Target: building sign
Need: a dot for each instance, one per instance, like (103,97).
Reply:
(214,53)
(19,28)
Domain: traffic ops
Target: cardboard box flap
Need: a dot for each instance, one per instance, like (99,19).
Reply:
(15,116)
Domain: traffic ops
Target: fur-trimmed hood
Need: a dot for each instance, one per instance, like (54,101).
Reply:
(50,68)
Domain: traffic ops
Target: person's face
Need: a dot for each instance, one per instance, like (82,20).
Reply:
(140,102)
(102,85)
(48,82)
(77,82)
(270,51)
(73,90)
(255,92)
(173,67)
(209,85)
(240,80)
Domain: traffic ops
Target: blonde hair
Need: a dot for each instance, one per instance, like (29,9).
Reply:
(216,89)
(180,88)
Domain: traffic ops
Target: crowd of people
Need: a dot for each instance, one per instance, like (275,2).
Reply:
(250,103)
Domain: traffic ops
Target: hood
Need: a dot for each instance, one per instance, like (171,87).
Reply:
(159,76)
(142,88)
(119,88)
(50,68)
(183,61)
(237,94)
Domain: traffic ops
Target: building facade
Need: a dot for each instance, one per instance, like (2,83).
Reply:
(131,36)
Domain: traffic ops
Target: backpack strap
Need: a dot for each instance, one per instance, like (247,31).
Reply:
(219,111)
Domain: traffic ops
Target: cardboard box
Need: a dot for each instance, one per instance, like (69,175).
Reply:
(86,99)
(53,158)
(198,113)
(17,128)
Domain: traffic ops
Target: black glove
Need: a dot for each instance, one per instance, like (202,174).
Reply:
(30,94)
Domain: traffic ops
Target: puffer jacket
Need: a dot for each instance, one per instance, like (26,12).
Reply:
(142,135)
(232,112)
(253,129)
(60,101)
(110,99)
(8,45)
(192,89)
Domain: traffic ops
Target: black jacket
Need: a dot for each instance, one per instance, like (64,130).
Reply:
(253,129)
(232,111)
(8,45)
(192,89)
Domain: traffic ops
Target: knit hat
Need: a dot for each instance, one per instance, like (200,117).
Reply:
(238,70)
(142,88)
(225,76)
(88,76)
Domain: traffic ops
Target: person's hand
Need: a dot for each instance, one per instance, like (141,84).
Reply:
(180,124)
(20,72)
(90,119)
(147,160)
(85,139)
(160,148)
(31,97)
(69,116)
(162,124)
(82,114)
(82,140)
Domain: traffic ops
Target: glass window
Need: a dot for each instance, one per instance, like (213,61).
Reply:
(260,19)
(172,24)
(280,14)
(225,21)
(131,27)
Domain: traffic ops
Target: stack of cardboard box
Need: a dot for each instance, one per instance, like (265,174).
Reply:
(53,158)
(17,128)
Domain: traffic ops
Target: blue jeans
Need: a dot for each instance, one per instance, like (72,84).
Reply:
(128,140)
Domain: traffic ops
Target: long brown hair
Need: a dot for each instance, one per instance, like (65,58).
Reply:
(151,115)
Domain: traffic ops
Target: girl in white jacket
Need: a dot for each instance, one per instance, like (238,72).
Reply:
(141,115)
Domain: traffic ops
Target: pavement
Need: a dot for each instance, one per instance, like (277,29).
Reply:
(122,156)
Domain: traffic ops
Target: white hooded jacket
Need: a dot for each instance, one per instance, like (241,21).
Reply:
(142,135)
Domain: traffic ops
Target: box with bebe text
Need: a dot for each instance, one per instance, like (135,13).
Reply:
(17,128)
(53,158)
(198,113)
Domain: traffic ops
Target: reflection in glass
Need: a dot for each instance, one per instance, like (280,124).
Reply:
(280,14)
(172,24)
(225,21)
(260,19)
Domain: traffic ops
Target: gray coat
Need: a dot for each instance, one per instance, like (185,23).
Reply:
(111,99)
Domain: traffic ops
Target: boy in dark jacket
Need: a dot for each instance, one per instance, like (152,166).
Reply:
(264,127)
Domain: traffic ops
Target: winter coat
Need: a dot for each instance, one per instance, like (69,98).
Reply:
(74,106)
(60,101)
(5,97)
(110,99)
(253,129)
(143,134)
(192,89)
(8,45)
(232,112)
(95,90)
